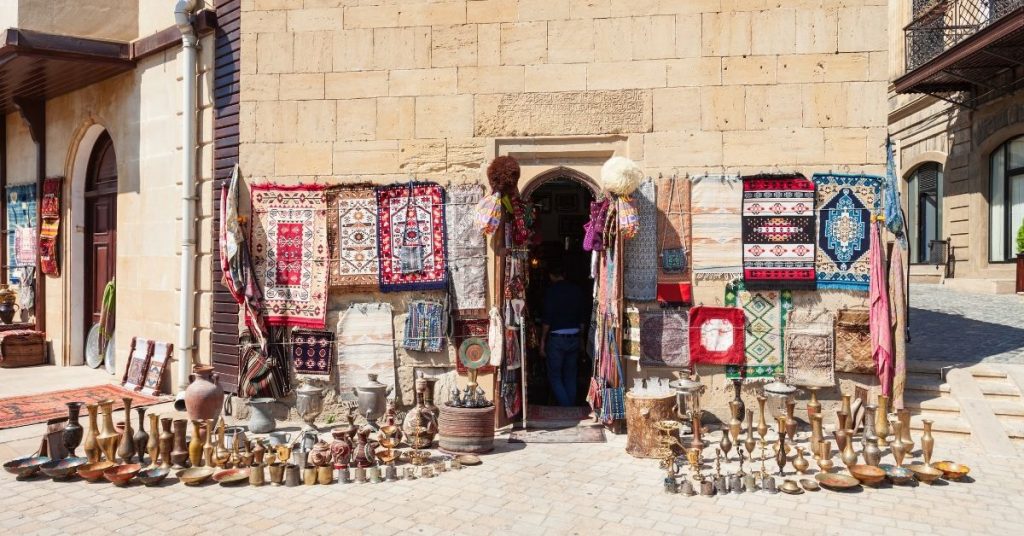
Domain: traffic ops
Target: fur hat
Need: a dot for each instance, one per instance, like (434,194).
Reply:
(620,175)
(503,174)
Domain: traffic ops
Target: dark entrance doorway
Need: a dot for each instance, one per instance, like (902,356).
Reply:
(562,206)
(100,226)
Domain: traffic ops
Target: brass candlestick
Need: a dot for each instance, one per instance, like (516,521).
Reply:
(762,426)
(718,463)
(780,456)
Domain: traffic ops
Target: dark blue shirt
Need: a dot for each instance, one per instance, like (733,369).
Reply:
(563,306)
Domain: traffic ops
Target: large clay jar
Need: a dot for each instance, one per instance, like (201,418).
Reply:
(108,436)
(364,455)
(166,442)
(72,435)
(204,398)
(91,446)
(153,445)
(126,447)
(179,452)
(141,438)
(419,425)
(195,446)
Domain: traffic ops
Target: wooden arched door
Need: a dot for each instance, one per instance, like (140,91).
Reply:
(100,226)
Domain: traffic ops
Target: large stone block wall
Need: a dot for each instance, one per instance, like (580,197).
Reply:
(386,90)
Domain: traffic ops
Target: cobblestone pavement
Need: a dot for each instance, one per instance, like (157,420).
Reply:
(946,325)
(531,489)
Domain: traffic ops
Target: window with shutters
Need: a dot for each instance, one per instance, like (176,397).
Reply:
(925,203)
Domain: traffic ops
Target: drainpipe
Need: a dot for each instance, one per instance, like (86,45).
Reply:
(183,11)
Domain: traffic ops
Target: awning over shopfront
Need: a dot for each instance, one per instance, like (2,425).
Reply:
(39,66)
(980,60)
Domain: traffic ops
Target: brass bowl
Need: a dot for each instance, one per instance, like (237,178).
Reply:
(469,459)
(26,466)
(119,475)
(925,473)
(231,477)
(809,485)
(667,425)
(836,481)
(94,471)
(952,470)
(791,487)
(897,475)
(62,469)
(153,475)
(195,475)
(868,475)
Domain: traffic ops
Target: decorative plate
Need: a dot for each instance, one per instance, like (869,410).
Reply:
(474,353)
(92,348)
(109,357)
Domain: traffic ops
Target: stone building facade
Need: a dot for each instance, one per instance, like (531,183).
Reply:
(951,137)
(389,90)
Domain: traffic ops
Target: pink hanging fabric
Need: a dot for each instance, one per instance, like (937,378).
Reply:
(881,328)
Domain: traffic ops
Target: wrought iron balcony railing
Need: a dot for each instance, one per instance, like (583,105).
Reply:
(938,25)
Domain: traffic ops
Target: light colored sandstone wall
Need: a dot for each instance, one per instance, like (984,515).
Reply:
(142,112)
(116,20)
(342,90)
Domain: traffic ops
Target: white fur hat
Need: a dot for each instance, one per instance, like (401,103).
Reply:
(620,175)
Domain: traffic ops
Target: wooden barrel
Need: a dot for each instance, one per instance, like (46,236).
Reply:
(465,430)
(642,413)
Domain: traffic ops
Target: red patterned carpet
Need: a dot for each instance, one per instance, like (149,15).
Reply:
(21,410)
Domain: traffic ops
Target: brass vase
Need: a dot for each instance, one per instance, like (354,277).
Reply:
(908,442)
(842,420)
(872,454)
(208,450)
(791,419)
(71,437)
(816,436)
(762,426)
(825,463)
(166,442)
(896,446)
(849,456)
(153,445)
(800,463)
(750,443)
(126,448)
(869,425)
(780,455)
(813,406)
(195,446)
(882,421)
(179,453)
(108,436)
(89,444)
(741,408)
(141,438)
(221,454)
(927,441)
(734,422)
(725,444)
(845,408)
(841,439)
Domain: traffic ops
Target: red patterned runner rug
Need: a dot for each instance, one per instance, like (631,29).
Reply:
(778,232)
(411,237)
(289,242)
(30,409)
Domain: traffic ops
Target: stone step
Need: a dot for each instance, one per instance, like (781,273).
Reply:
(985,371)
(1014,429)
(931,404)
(1007,407)
(929,385)
(949,425)
(999,389)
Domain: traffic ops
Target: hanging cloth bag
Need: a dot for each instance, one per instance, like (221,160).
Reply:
(613,398)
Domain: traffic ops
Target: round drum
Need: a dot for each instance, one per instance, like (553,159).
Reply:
(466,430)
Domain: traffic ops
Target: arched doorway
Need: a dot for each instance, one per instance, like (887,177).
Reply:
(100,240)
(561,198)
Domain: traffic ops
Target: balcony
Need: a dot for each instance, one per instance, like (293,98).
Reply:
(964,51)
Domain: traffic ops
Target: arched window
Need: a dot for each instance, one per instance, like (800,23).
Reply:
(1006,199)
(925,203)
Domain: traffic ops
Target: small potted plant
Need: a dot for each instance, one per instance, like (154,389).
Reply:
(1020,259)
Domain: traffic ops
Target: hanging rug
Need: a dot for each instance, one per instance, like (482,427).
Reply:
(845,204)
(716,335)
(411,237)
(810,360)
(313,351)
(778,232)
(716,227)
(664,339)
(766,312)
(352,236)
(289,241)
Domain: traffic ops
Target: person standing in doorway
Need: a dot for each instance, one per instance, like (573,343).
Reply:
(562,330)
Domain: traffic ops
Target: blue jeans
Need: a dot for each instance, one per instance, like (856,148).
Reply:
(563,356)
